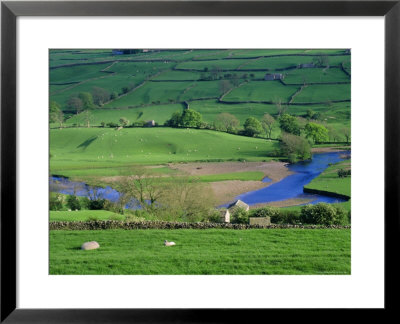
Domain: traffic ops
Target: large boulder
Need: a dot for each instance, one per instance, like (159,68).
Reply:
(90,245)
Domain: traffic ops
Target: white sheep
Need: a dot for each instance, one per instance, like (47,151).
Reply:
(166,243)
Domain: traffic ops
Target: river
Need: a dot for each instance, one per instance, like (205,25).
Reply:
(290,187)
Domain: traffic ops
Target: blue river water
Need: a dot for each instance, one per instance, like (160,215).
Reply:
(290,187)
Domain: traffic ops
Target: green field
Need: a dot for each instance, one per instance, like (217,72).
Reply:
(323,93)
(152,92)
(77,73)
(301,76)
(83,216)
(216,251)
(159,113)
(98,149)
(330,181)
(270,91)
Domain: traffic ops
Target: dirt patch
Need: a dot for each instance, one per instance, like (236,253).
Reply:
(226,191)
(285,203)
(274,170)
(328,149)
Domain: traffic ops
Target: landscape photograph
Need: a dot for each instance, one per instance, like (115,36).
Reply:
(200,161)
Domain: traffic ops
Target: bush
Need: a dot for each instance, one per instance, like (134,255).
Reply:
(288,217)
(240,216)
(96,204)
(265,212)
(56,201)
(323,214)
(214,217)
(343,173)
(112,125)
(73,203)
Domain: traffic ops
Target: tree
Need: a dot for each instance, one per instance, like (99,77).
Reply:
(114,95)
(268,123)
(347,134)
(187,199)
(100,96)
(281,108)
(124,121)
(226,122)
(224,86)
(295,147)
(87,117)
(56,115)
(191,118)
(75,104)
(289,124)
(252,127)
(321,60)
(54,107)
(175,120)
(143,188)
(316,132)
(87,100)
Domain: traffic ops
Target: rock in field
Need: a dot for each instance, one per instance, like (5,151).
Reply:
(90,245)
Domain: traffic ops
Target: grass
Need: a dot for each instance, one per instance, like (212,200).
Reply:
(150,92)
(96,148)
(261,91)
(210,65)
(243,176)
(330,181)
(83,215)
(323,93)
(298,76)
(159,113)
(77,73)
(216,251)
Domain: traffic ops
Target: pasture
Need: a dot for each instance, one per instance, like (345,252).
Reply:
(98,148)
(201,252)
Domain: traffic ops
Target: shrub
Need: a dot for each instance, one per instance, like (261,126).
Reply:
(214,217)
(96,204)
(56,201)
(92,218)
(288,217)
(73,203)
(112,125)
(265,212)
(323,214)
(240,216)
(343,173)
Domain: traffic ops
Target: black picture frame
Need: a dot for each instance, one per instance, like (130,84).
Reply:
(10,10)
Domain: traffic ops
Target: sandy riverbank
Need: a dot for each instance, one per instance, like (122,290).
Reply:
(226,191)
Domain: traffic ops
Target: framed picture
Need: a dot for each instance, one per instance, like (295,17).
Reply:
(192,109)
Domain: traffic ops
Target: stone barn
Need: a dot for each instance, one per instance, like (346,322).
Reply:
(238,204)
(225,216)
(273,76)
(150,123)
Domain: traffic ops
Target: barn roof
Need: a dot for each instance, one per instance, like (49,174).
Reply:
(239,203)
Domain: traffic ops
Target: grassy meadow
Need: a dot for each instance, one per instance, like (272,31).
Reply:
(201,252)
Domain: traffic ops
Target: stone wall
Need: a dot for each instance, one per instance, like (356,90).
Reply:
(103,225)
(263,221)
